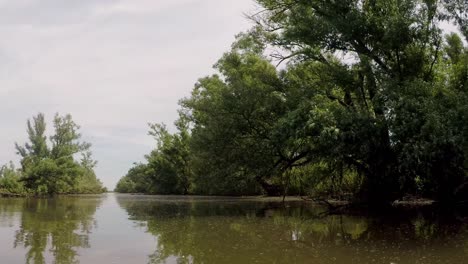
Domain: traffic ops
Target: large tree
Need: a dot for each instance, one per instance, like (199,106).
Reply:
(371,91)
(253,124)
(385,68)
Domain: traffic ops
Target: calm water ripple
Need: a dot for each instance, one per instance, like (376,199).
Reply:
(163,229)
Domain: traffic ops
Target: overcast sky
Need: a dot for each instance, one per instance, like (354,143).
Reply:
(115,65)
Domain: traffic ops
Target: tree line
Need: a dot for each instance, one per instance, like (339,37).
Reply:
(59,164)
(367,98)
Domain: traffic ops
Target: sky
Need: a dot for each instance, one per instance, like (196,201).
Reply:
(114,65)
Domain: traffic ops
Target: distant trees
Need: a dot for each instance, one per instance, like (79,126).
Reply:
(10,180)
(372,100)
(137,180)
(49,165)
(168,169)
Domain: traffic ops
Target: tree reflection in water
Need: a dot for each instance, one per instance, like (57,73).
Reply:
(60,225)
(193,231)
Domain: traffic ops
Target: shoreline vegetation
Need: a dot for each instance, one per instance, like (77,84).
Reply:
(324,98)
(359,101)
(59,164)
(330,202)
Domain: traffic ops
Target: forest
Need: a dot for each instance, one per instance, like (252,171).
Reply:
(59,164)
(359,100)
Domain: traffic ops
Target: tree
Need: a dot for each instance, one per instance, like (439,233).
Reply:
(10,180)
(65,141)
(87,181)
(377,56)
(233,116)
(168,169)
(125,185)
(54,170)
(254,124)
(372,95)
(137,180)
(36,149)
(170,162)
(457,11)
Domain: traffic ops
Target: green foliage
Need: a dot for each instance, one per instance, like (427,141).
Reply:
(232,129)
(10,180)
(136,181)
(87,182)
(65,141)
(54,170)
(398,113)
(37,147)
(126,185)
(372,101)
(168,170)
(170,162)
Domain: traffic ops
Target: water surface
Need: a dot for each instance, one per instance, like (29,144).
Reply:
(163,229)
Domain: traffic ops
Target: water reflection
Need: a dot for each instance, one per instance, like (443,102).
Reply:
(51,230)
(205,231)
(201,230)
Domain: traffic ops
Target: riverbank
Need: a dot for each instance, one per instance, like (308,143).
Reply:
(332,203)
(12,195)
(409,201)
(30,195)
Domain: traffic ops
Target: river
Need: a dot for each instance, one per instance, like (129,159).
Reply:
(114,228)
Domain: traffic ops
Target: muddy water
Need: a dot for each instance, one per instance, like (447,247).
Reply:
(160,229)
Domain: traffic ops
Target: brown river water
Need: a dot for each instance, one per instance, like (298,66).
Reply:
(115,228)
